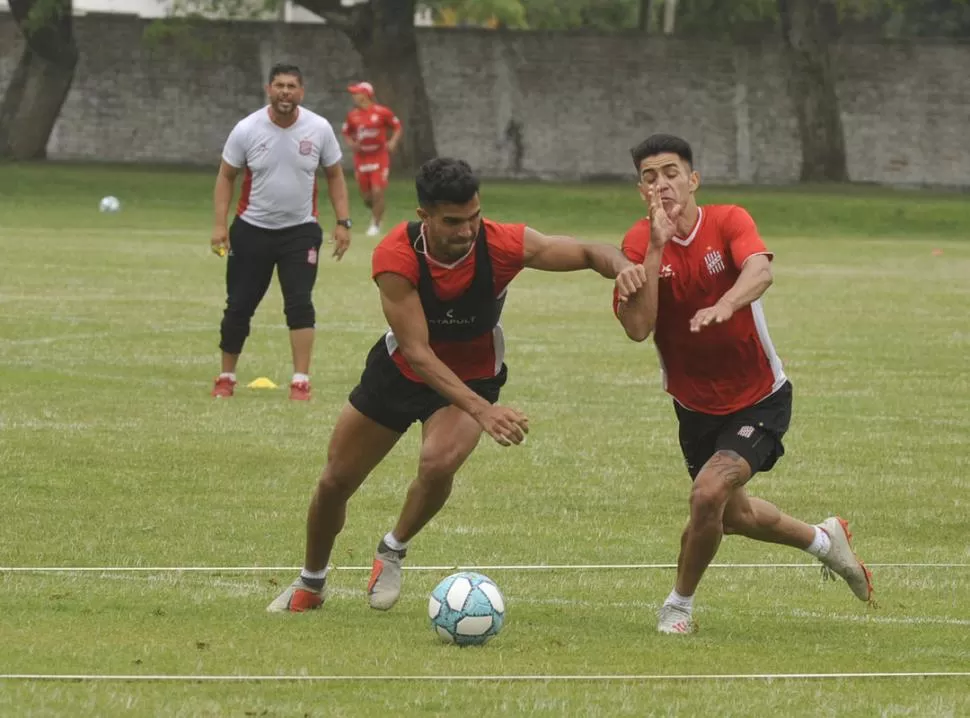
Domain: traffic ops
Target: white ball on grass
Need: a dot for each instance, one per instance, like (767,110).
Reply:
(109,204)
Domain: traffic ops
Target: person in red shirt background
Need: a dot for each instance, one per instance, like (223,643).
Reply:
(443,282)
(366,129)
(706,270)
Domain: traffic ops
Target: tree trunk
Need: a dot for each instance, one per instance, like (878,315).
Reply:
(646,19)
(807,26)
(384,36)
(41,81)
(670,16)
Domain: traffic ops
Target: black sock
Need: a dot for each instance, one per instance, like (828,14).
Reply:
(315,583)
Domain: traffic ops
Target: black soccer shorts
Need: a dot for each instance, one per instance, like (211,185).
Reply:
(388,397)
(755,433)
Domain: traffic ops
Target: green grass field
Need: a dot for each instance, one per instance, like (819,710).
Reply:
(114,455)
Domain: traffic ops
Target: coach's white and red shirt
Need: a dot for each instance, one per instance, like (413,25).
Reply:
(725,367)
(478,358)
(280,184)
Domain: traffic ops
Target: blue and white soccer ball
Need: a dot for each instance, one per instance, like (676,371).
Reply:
(466,608)
(109,204)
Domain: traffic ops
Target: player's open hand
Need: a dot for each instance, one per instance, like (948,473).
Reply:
(663,222)
(629,281)
(718,314)
(506,425)
(220,241)
(341,241)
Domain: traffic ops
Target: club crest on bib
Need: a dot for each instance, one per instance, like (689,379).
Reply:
(306,147)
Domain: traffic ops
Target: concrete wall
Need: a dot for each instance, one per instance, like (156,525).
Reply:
(575,102)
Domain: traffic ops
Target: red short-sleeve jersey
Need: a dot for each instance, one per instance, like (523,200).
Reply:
(369,127)
(724,367)
(479,358)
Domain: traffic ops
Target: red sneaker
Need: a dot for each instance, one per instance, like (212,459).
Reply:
(224,387)
(300,391)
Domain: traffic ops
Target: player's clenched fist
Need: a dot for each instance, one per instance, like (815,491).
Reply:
(629,281)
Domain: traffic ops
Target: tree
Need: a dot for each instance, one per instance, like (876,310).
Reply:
(601,15)
(41,80)
(646,22)
(807,27)
(492,13)
(727,20)
(382,32)
(710,18)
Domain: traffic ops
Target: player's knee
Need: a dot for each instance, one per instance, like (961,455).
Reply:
(300,313)
(239,310)
(438,466)
(337,483)
(234,330)
(708,496)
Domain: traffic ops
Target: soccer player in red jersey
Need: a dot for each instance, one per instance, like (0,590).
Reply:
(366,129)
(443,282)
(706,270)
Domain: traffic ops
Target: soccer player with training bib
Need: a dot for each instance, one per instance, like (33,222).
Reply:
(443,282)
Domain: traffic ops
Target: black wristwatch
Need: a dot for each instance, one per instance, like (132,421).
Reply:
(345,223)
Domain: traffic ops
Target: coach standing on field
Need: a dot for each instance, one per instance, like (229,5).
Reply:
(280,148)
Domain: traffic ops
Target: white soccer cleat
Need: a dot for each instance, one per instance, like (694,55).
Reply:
(373,230)
(842,561)
(298,598)
(384,586)
(674,619)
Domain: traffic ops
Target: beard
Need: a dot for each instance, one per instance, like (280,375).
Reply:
(284,107)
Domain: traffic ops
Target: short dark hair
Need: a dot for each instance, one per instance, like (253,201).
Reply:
(445,179)
(660,143)
(285,68)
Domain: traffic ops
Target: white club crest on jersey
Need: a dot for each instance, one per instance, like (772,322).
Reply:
(714,262)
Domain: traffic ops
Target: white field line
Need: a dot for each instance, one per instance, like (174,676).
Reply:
(869,618)
(258,589)
(359,327)
(451,567)
(102,230)
(654,677)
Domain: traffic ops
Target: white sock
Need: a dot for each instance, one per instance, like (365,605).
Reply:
(228,375)
(820,544)
(393,543)
(685,602)
(301,378)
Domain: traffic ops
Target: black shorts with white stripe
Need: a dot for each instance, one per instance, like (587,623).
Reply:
(754,433)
